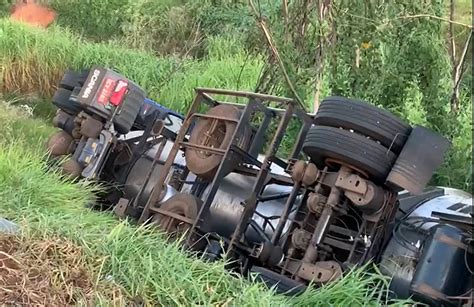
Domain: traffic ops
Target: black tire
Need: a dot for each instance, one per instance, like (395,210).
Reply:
(69,80)
(83,77)
(422,154)
(350,148)
(182,204)
(364,118)
(72,169)
(64,121)
(72,79)
(61,99)
(60,144)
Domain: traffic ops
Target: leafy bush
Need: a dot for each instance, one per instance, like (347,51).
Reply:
(372,52)
(5,6)
(158,26)
(162,27)
(99,20)
(225,18)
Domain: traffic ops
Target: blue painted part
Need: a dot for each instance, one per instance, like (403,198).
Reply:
(162,108)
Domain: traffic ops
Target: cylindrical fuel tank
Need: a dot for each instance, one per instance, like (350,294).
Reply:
(226,208)
(138,175)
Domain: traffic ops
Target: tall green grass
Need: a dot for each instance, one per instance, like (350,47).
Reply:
(158,26)
(33,60)
(138,259)
(18,125)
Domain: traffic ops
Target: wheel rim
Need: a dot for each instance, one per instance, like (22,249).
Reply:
(212,137)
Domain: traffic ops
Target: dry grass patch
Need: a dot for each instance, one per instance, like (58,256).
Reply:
(49,272)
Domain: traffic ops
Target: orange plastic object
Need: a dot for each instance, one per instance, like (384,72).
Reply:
(33,14)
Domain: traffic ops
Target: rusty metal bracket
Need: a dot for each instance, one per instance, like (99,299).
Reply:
(211,150)
(215,117)
(172,215)
(320,272)
(250,203)
(121,208)
(352,183)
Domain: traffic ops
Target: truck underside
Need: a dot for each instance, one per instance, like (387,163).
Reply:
(294,197)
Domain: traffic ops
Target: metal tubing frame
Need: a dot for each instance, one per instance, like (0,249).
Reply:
(227,159)
(258,141)
(255,104)
(155,194)
(250,204)
(227,119)
(286,212)
(307,123)
(249,95)
(215,151)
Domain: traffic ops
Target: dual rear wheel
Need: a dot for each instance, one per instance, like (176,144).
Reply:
(70,85)
(356,134)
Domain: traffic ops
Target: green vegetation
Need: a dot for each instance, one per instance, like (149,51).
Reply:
(33,60)
(159,26)
(137,261)
(169,47)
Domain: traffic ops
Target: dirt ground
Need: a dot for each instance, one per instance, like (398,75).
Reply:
(43,273)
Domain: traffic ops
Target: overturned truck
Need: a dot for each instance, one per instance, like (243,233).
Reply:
(294,197)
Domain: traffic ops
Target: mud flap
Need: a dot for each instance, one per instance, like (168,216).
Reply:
(422,154)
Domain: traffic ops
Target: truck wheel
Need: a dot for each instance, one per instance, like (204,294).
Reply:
(349,148)
(62,100)
(83,77)
(366,119)
(60,144)
(72,168)
(69,80)
(182,204)
(91,127)
(72,79)
(205,164)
